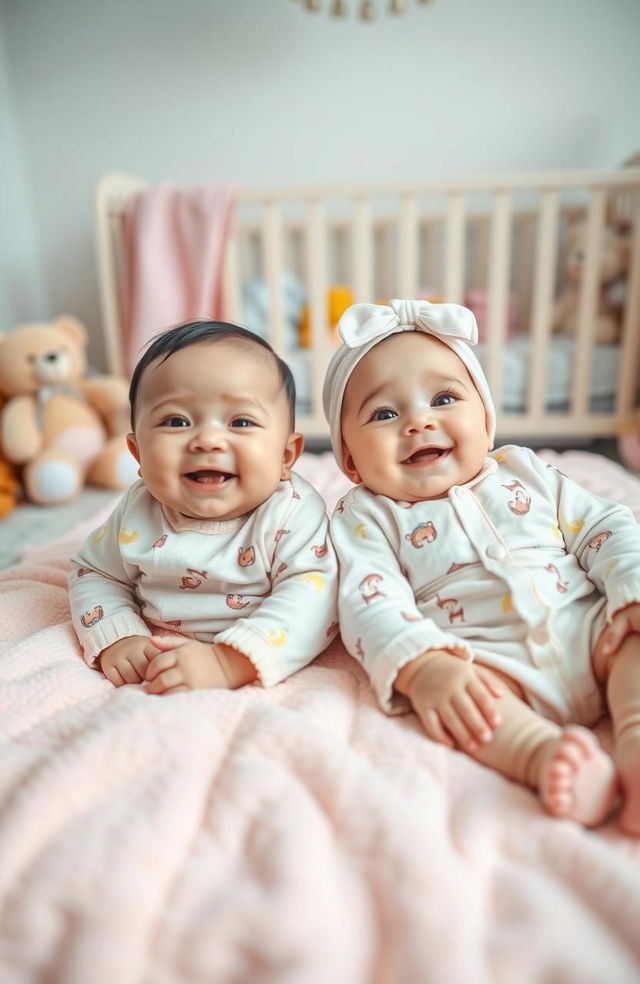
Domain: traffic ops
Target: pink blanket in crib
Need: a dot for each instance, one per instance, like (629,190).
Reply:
(290,836)
(175,240)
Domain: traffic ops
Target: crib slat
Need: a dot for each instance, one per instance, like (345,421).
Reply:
(498,291)
(383,258)
(273,268)
(317,280)
(408,247)
(544,277)
(362,251)
(630,347)
(588,304)
(454,256)
(231,283)
(524,247)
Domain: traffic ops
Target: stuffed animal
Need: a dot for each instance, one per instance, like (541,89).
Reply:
(62,427)
(614,267)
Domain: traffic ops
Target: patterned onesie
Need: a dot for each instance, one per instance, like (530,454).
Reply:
(264,583)
(518,569)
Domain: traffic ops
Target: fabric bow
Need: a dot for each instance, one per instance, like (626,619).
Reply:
(362,323)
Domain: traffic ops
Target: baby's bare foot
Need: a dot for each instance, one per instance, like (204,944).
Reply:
(578,779)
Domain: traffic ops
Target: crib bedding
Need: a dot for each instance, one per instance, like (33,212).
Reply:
(516,374)
(292,835)
(516,354)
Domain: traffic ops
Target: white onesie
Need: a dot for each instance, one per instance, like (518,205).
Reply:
(519,569)
(264,583)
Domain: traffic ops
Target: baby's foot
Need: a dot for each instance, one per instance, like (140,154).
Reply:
(577,779)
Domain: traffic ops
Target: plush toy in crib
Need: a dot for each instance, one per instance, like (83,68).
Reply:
(62,427)
(614,268)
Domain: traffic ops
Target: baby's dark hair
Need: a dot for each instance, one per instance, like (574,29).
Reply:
(190,333)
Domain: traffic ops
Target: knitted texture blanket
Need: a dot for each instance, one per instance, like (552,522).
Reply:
(290,836)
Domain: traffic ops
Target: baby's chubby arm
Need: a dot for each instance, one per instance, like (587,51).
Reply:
(297,618)
(102,596)
(380,622)
(454,699)
(181,664)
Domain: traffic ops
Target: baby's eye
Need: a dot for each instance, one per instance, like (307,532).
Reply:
(443,399)
(242,422)
(175,420)
(383,413)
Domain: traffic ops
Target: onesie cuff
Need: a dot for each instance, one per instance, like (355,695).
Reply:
(264,654)
(118,626)
(412,643)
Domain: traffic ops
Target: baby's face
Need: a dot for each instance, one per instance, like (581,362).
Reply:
(212,431)
(413,423)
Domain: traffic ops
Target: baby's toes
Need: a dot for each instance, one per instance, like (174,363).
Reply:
(583,743)
(578,779)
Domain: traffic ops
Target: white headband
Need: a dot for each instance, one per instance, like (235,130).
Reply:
(362,326)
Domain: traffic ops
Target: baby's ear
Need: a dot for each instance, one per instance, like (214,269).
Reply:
(293,449)
(491,443)
(132,444)
(349,465)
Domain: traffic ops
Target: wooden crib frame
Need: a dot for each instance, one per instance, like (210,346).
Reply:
(500,233)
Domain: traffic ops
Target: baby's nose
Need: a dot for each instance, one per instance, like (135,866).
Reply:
(210,437)
(420,418)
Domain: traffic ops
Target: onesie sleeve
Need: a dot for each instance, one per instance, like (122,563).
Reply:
(101,590)
(298,619)
(604,537)
(380,623)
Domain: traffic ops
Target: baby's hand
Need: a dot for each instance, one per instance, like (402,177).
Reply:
(126,660)
(454,699)
(185,664)
(625,622)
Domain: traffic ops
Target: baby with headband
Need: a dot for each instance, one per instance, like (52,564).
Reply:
(482,588)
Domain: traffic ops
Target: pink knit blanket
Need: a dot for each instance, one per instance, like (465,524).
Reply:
(290,836)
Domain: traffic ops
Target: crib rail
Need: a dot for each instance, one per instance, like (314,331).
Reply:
(499,239)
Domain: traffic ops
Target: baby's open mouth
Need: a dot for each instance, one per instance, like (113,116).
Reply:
(206,476)
(426,454)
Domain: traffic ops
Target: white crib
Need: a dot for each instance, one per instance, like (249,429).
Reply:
(501,236)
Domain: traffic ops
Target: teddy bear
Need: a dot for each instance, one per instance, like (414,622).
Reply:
(613,271)
(62,427)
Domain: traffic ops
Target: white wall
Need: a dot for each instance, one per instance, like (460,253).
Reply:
(260,92)
(22,285)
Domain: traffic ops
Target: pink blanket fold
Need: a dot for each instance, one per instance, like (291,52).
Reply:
(175,241)
(290,836)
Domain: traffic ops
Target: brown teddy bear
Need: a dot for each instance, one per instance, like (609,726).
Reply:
(63,428)
(614,267)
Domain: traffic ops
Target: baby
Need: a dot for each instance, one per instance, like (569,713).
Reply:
(501,599)
(215,569)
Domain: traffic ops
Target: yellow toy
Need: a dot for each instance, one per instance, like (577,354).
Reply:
(338,300)
(614,267)
(61,427)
